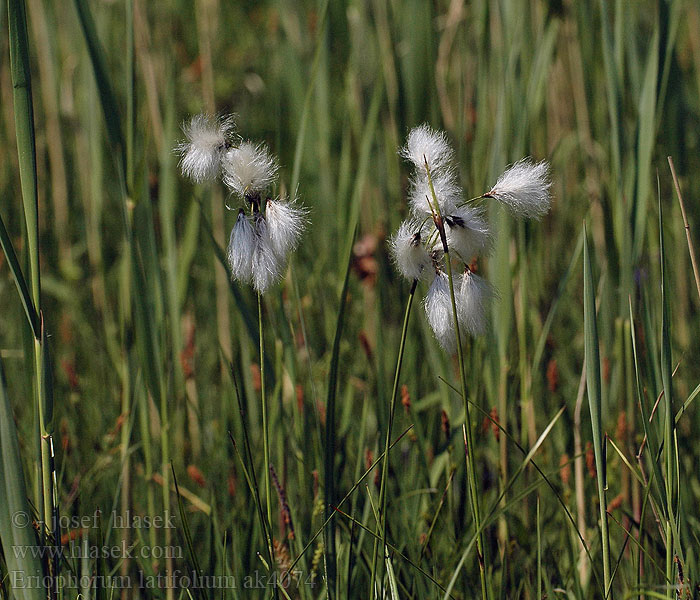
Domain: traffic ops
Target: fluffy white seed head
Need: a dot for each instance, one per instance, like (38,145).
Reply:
(438,310)
(473,296)
(427,145)
(266,265)
(206,141)
(241,247)
(447,192)
(286,222)
(409,254)
(248,168)
(467,232)
(524,188)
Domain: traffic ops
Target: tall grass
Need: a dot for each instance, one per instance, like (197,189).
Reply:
(119,340)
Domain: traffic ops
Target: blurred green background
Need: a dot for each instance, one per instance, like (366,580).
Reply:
(142,367)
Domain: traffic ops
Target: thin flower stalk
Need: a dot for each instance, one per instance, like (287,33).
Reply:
(266,433)
(471,469)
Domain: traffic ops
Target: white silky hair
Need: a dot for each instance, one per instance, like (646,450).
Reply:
(438,311)
(286,222)
(447,192)
(474,294)
(467,232)
(267,266)
(427,145)
(241,247)
(524,188)
(408,252)
(248,168)
(201,152)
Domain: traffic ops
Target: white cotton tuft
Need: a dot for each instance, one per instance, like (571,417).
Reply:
(447,192)
(249,168)
(267,266)
(524,188)
(207,140)
(467,232)
(438,310)
(409,253)
(241,247)
(427,145)
(286,222)
(473,297)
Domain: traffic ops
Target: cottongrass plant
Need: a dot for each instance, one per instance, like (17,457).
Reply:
(266,230)
(444,227)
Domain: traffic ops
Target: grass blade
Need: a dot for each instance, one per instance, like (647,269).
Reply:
(668,421)
(329,472)
(646,139)
(110,107)
(187,533)
(593,387)
(20,281)
(687,403)
(14,534)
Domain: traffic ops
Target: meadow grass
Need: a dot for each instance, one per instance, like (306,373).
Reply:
(318,430)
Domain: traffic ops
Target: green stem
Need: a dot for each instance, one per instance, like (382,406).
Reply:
(20,70)
(24,133)
(387,442)
(165,470)
(266,446)
(471,469)
(263,402)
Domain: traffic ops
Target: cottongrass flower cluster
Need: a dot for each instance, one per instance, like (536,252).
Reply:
(266,229)
(444,227)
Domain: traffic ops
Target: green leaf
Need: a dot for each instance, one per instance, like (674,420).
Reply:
(646,139)
(110,107)
(593,387)
(16,531)
(20,281)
